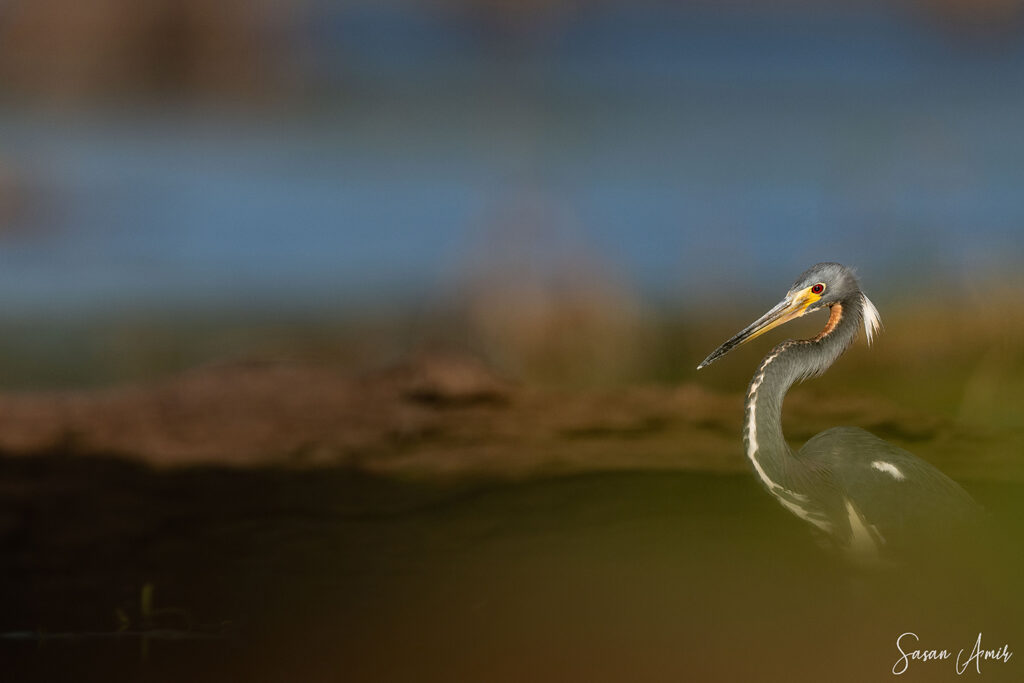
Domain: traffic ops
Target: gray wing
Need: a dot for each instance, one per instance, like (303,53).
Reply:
(898,500)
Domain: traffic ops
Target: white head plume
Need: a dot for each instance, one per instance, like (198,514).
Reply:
(872,320)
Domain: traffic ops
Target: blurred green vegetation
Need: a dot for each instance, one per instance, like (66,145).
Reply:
(600,577)
(962,360)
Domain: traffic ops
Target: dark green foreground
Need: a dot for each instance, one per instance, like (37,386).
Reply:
(333,575)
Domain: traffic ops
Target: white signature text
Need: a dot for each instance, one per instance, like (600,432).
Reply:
(909,640)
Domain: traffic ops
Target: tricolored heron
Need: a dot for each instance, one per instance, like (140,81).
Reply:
(867,497)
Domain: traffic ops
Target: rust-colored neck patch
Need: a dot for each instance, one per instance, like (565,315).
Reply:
(835,315)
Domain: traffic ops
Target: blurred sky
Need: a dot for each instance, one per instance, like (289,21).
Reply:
(398,145)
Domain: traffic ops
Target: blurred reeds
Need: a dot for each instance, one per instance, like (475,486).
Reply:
(69,52)
(109,49)
(961,359)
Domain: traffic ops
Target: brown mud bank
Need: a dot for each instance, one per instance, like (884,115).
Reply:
(449,417)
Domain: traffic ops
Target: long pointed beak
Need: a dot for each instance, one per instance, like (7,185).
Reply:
(790,308)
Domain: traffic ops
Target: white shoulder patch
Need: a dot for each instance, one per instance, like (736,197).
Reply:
(872,320)
(889,469)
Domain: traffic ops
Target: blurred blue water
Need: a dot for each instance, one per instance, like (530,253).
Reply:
(688,147)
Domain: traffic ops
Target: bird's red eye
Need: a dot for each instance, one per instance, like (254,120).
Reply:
(818,288)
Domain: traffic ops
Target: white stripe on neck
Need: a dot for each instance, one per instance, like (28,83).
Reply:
(780,492)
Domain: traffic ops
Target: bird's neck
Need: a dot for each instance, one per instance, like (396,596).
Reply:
(790,362)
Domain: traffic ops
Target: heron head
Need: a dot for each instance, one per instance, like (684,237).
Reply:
(820,286)
(823,284)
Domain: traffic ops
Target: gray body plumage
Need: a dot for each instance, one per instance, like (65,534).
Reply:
(921,511)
